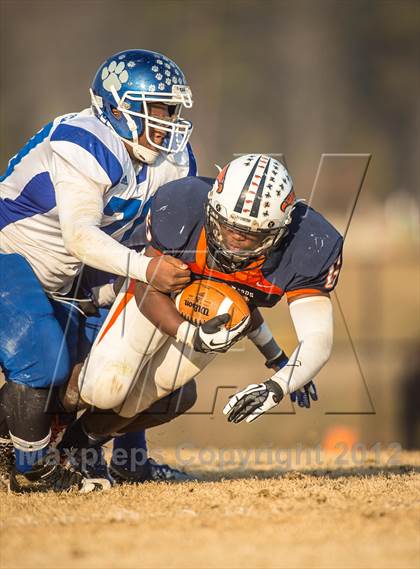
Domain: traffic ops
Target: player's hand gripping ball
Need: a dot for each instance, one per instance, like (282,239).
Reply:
(204,299)
(219,315)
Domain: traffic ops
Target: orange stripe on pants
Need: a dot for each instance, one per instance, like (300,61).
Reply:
(123,303)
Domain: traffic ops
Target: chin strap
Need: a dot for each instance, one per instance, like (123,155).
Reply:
(146,155)
(140,152)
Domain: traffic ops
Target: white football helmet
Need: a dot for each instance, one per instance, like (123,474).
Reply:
(252,195)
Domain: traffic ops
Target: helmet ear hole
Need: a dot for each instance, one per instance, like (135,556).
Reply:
(117,114)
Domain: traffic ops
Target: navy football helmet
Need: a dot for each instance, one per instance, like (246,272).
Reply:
(129,81)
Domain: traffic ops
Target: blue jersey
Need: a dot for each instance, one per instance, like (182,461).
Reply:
(307,261)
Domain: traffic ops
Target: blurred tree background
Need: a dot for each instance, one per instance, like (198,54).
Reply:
(293,77)
(297,77)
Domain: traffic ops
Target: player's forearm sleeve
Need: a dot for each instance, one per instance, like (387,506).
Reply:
(313,321)
(80,209)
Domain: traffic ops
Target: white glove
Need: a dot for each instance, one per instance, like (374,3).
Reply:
(253,401)
(212,336)
(103,295)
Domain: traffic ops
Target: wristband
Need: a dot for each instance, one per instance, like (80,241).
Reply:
(263,338)
(141,262)
(279,361)
(185,334)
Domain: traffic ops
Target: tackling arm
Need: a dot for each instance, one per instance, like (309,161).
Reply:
(157,306)
(80,208)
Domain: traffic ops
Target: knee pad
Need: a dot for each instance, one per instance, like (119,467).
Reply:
(26,410)
(106,389)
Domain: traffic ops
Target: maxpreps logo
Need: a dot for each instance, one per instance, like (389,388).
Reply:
(288,201)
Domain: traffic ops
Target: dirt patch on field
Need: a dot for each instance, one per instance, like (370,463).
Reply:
(359,516)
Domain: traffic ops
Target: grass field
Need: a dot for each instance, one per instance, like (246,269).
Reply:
(307,517)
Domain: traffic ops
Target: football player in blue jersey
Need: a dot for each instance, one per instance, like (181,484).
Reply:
(74,195)
(247,229)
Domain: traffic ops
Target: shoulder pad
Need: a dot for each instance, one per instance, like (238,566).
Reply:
(184,161)
(313,243)
(89,146)
(177,209)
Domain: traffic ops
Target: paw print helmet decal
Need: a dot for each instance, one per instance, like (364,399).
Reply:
(129,82)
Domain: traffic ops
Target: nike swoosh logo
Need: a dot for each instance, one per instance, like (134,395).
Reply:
(216,344)
(264,286)
(298,363)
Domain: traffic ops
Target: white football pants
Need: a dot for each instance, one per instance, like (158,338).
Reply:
(132,364)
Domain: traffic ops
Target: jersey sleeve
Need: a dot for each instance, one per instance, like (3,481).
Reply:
(88,152)
(323,277)
(177,210)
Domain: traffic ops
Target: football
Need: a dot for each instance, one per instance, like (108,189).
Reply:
(205,299)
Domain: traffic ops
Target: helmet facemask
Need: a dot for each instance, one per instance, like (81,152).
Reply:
(134,107)
(230,261)
(252,197)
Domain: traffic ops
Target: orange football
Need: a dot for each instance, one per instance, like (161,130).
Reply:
(205,299)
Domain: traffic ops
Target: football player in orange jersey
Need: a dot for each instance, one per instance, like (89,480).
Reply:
(247,229)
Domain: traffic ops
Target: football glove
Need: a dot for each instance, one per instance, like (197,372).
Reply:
(213,336)
(304,395)
(253,401)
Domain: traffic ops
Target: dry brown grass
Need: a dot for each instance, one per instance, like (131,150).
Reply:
(365,516)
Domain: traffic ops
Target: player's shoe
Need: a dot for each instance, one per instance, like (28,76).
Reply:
(7,459)
(91,464)
(47,475)
(150,471)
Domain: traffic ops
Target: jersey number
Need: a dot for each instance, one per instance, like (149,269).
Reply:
(129,208)
(333,274)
